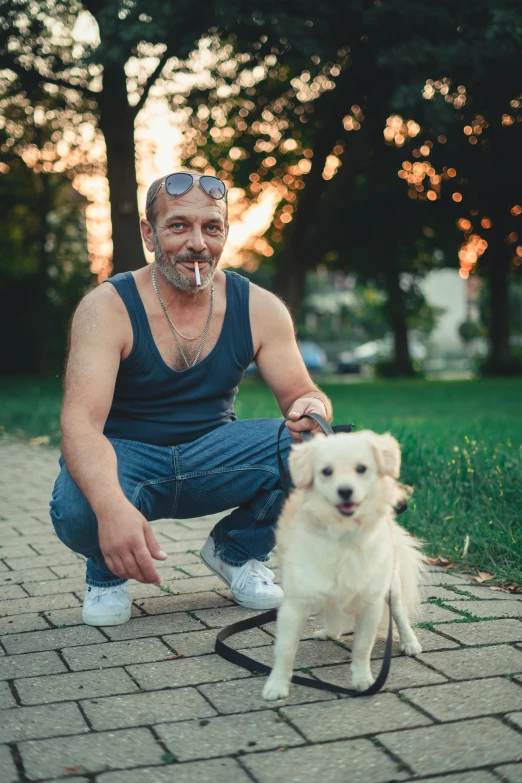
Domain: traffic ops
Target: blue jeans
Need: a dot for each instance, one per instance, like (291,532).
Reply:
(234,465)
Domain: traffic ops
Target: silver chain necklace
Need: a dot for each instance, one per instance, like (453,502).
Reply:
(173,328)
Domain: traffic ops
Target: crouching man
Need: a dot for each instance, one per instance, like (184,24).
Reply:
(148,423)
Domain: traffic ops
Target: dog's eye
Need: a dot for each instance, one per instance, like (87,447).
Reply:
(361,468)
(327,471)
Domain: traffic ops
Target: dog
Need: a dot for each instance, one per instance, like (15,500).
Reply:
(341,551)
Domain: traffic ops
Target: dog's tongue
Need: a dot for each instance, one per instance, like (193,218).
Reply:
(346,508)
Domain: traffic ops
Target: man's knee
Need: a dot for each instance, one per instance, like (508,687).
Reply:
(73,519)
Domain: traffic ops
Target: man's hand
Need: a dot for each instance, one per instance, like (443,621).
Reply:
(305,405)
(128,544)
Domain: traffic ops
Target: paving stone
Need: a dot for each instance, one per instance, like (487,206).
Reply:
(404,672)
(215,771)
(23,577)
(227,735)
(203,642)
(309,653)
(169,705)
(357,761)
(354,717)
(89,753)
(185,671)
(196,569)
(12,591)
(52,587)
(116,654)
(432,592)
(31,665)
(516,718)
(485,632)
(77,685)
(40,604)
(6,697)
(41,561)
(433,613)
(52,639)
(494,608)
(17,550)
(51,720)
(467,699)
(217,618)
(191,584)
(140,591)
(486,593)
(465,664)
(441,578)
(161,625)
(427,639)
(454,746)
(510,773)
(479,776)
(24,622)
(245,695)
(7,766)
(181,603)
(69,570)
(178,533)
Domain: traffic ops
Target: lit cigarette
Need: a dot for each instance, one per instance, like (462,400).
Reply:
(196,270)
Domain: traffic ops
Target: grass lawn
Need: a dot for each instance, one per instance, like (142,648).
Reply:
(461,443)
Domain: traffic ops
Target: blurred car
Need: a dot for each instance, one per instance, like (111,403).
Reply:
(314,357)
(361,359)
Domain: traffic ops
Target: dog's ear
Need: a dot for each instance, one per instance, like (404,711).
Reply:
(300,464)
(387,454)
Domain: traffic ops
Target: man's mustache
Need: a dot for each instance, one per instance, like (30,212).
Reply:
(203,257)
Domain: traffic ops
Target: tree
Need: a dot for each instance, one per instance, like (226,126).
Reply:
(39,45)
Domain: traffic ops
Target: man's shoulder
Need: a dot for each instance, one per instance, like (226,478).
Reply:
(270,303)
(99,306)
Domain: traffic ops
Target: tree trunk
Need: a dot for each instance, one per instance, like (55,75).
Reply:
(396,313)
(299,254)
(497,257)
(117,125)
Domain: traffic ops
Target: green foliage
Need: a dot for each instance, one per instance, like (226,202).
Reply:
(460,442)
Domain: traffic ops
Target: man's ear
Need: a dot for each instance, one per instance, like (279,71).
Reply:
(387,455)
(300,464)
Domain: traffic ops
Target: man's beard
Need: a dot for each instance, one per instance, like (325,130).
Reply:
(169,271)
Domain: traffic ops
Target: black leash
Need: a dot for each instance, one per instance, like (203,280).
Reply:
(229,654)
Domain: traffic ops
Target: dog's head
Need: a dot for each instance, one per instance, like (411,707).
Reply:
(348,468)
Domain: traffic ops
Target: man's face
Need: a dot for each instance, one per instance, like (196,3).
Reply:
(187,228)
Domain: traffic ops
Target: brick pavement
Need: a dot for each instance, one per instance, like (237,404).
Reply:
(150,701)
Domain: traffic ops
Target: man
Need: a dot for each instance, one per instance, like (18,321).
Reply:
(148,423)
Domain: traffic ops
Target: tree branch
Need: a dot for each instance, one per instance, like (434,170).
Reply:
(152,79)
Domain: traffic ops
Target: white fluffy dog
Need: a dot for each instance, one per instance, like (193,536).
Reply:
(341,551)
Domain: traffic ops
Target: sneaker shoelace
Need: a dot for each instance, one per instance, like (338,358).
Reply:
(252,572)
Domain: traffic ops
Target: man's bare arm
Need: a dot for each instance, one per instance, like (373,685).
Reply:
(97,340)
(281,365)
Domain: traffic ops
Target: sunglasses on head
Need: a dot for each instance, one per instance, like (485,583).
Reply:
(180,183)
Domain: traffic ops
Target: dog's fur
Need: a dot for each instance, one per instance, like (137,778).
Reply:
(341,558)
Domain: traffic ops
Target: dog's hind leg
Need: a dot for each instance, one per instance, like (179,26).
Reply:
(409,642)
(290,620)
(366,625)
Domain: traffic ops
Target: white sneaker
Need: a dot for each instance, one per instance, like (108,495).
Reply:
(107,605)
(251,584)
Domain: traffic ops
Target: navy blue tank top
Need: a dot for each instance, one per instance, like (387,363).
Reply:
(155,404)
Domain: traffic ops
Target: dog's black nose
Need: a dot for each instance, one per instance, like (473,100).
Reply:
(345,492)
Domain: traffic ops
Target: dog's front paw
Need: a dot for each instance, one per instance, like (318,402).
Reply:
(275,688)
(362,682)
(323,634)
(412,647)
